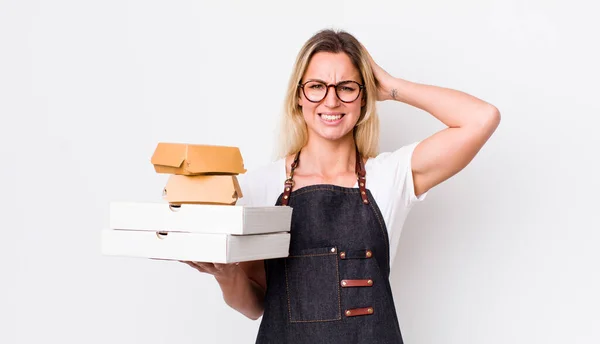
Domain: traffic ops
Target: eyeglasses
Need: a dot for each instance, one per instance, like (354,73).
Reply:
(346,91)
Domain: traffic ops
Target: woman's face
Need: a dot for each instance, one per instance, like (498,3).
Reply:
(330,118)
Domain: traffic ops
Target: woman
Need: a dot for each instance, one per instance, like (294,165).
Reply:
(346,196)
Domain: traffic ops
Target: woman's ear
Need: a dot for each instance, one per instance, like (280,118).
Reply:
(299,99)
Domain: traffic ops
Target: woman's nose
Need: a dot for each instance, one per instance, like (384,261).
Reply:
(331,99)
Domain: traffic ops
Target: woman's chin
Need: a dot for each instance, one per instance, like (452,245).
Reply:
(333,134)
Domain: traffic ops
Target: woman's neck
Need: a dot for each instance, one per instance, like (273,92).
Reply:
(326,158)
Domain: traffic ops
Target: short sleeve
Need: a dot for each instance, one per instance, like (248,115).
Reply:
(397,166)
(246,199)
(261,186)
(390,179)
(404,175)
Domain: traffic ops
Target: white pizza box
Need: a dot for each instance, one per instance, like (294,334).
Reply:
(199,218)
(201,247)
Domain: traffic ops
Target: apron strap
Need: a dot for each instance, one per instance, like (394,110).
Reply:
(359,169)
(362,180)
(289,182)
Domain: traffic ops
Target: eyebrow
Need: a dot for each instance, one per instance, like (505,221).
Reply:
(323,81)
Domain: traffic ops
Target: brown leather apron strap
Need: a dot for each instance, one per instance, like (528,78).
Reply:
(289,182)
(362,181)
(359,169)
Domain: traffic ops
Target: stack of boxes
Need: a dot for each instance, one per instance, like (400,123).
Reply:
(199,174)
(198,218)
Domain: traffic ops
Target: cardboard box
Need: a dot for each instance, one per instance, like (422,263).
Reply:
(199,218)
(200,247)
(194,159)
(202,189)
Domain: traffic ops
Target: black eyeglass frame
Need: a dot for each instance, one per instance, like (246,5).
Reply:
(335,86)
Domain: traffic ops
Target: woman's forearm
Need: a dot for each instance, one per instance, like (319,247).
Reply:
(454,108)
(242,294)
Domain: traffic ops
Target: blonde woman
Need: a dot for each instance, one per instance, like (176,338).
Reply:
(349,200)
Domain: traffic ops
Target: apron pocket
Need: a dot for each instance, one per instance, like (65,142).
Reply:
(313,285)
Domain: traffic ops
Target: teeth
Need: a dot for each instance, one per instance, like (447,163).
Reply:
(331,117)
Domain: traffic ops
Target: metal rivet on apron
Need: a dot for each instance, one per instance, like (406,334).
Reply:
(365,201)
(344,283)
(343,255)
(287,189)
(286,197)
(369,254)
(370,282)
(370,310)
(333,250)
(348,313)
(362,184)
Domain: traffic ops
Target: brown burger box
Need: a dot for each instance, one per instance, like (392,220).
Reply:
(197,159)
(200,174)
(204,189)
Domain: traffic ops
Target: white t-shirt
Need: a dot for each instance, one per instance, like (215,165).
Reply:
(389,178)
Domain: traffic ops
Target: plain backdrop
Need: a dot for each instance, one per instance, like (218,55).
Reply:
(505,252)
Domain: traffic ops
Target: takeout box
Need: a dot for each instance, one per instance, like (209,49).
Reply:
(197,159)
(200,247)
(199,218)
(198,232)
(202,189)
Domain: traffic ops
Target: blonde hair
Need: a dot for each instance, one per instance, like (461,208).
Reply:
(293,133)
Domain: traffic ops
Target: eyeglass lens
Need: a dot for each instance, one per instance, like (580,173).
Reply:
(316,91)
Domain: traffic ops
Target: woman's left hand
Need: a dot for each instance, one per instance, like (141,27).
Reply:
(384,80)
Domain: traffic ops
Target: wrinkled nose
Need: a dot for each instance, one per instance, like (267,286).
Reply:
(331,99)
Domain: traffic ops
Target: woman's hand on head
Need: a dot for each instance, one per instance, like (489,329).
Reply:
(383,78)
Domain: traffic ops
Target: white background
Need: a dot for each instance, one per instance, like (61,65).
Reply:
(505,252)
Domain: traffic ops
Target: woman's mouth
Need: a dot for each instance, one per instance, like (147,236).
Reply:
(331,118)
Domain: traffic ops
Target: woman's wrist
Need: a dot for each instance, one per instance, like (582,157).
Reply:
(396,89)
(230,277)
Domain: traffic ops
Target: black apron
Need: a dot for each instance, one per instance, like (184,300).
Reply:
(334,286)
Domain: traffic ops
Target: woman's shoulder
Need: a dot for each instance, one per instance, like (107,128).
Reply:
(390,177)
(262,185)
(265,172)
(392,160)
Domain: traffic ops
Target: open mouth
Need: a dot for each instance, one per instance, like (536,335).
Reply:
(331,117)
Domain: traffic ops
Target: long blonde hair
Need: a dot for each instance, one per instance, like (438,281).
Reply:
(293,133)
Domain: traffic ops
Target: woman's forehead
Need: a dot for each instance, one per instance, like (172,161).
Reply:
(331,67)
